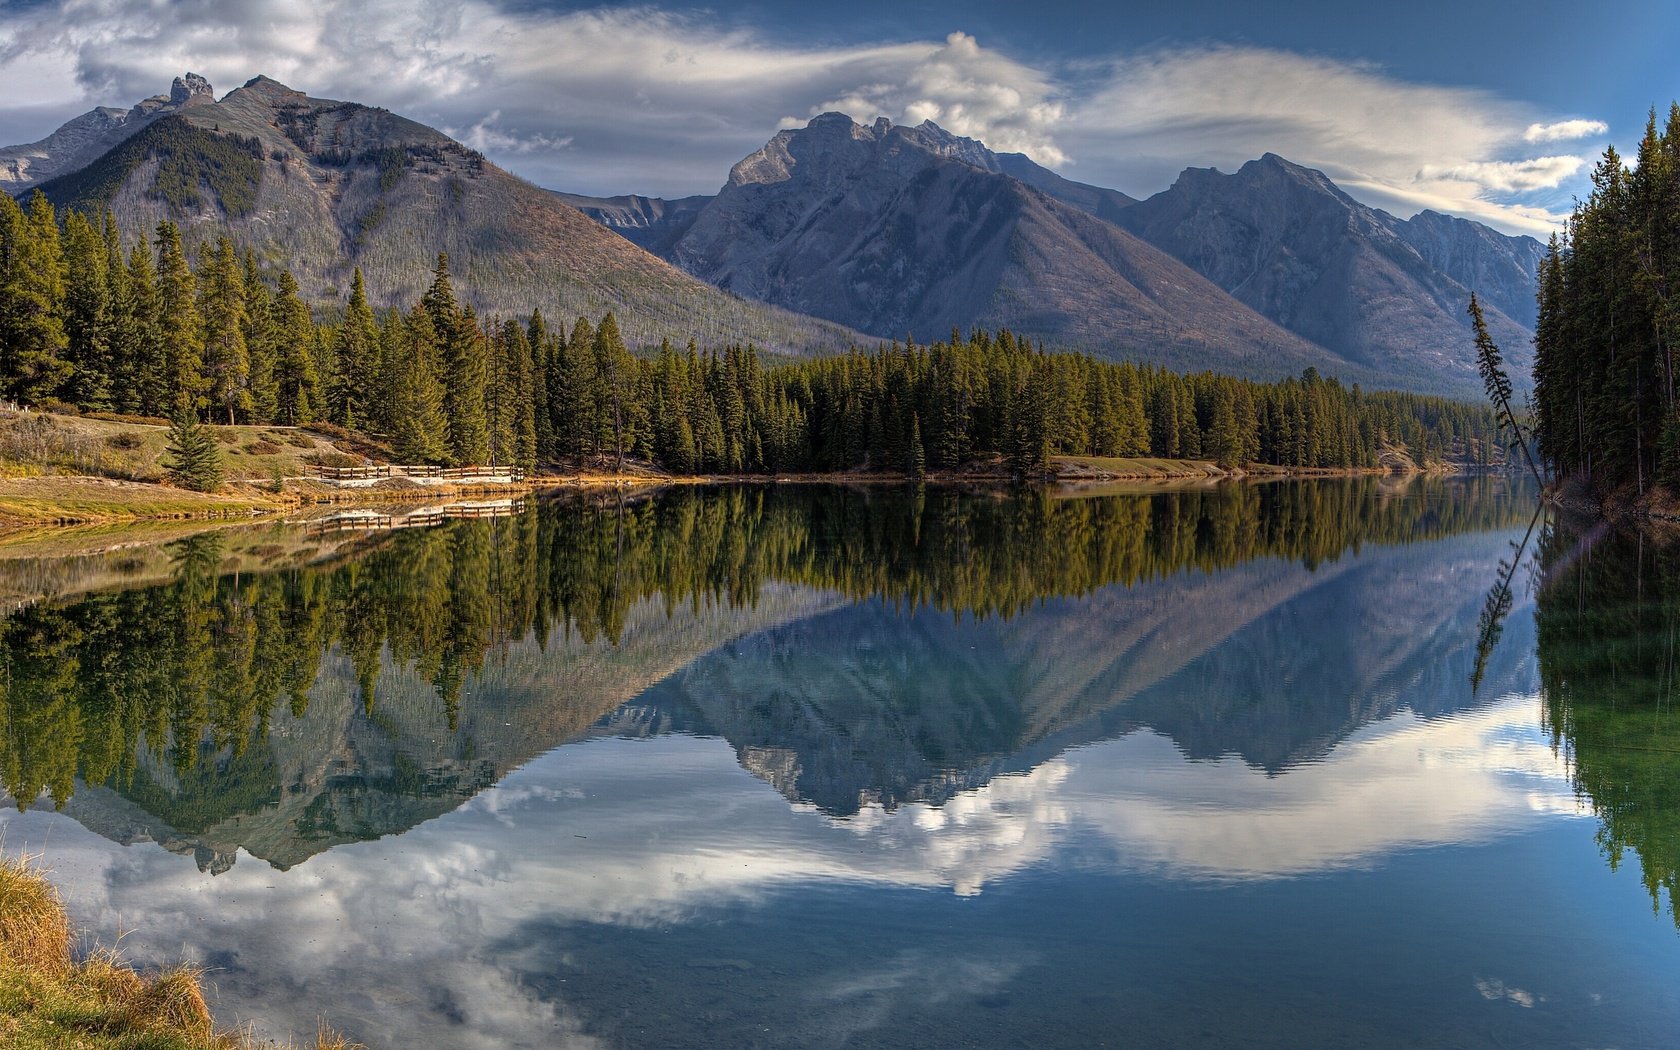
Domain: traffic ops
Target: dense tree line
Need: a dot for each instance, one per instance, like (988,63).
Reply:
(87,322)
(190,672)
(1608,616)
(1604,369)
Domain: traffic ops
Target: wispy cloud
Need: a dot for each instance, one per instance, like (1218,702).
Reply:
(651,100)
(1564,130)
(1508,176)
(1151,115)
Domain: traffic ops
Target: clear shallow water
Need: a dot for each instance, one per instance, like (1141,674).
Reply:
(818,769)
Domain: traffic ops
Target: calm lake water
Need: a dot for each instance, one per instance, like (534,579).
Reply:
(771,767)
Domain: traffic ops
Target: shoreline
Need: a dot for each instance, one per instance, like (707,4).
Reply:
(61,501)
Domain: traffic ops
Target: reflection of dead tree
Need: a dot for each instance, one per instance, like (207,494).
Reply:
(1491,624)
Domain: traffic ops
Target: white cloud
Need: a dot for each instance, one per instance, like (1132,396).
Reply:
(648,100)
(453,931)
(1564,130)
(1508,176)
(488,136)
(967,90)
(1150,116)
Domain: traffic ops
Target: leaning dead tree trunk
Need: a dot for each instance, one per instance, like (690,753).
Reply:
(1492,366)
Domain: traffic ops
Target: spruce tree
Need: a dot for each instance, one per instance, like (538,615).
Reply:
(141,363)
(462,348)
(192,458)
(221,305)
(542,355)
(356,359)
(578,406)
(295,381)
(522,395)
(418,428)
(32,337)
(179,325)
(87,314)
(262,345)
(614,366)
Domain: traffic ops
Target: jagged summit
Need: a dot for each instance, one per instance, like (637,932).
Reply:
(81,140)
(190,87)
(828,137)
(895,230)
(1376,290)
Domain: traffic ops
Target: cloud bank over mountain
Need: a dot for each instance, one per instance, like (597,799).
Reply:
(662,101)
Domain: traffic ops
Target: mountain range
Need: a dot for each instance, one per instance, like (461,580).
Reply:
(893,229)
(832,233)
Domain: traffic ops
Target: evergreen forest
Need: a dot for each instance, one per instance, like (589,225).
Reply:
(1609,318)
(98,320)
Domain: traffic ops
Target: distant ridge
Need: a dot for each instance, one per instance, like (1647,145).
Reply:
(901,231)
(1372,289)
(911,232)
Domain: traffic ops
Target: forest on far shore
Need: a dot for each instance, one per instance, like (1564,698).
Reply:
(99,320)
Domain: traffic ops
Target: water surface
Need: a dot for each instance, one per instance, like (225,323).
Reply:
(813,766)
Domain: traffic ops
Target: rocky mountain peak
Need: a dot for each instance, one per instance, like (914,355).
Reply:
(190,87)
(1272,166)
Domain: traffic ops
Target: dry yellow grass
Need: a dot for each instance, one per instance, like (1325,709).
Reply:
(50,1001)
(69,500)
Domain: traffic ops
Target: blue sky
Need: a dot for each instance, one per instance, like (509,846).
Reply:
(1491,110)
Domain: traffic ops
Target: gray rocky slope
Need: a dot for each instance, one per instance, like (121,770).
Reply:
(1371,288)
(910,231)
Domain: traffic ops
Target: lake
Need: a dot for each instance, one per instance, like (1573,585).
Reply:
(1261,765)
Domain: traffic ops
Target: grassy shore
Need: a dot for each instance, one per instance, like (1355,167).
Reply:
(52,1000)
(69,500)
(74,470)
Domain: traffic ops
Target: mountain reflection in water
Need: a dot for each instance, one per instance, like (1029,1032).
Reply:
(1153,768)
(286,712)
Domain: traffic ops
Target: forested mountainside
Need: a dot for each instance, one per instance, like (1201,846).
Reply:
(323,187)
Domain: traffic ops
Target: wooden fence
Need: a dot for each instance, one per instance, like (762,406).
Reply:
(376,521)
(395,470)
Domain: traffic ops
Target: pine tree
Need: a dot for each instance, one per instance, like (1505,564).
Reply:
(32,337)
(356,360)
(519,373)
(179,325)
(295,382)
(262,345)
(614,366)
(577,409)
(462,346)
(192,458)
(542,356)
(140,360)
(221,305)
(418,427)
(88,316)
